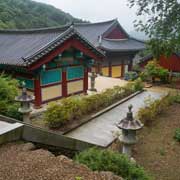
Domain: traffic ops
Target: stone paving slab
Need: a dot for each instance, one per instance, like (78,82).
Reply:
(6,127)
(101,131)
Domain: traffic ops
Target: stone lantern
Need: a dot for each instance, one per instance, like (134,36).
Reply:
(25,101)
(93,77)
(129,126)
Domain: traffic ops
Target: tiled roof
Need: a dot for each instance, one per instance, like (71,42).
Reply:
(124,45)
(22,48)
(93,31)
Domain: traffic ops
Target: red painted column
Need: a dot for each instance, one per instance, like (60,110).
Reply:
(122,70)
(85,80)
(110,69)
(64,83)
(37,92)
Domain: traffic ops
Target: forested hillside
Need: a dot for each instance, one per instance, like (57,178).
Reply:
(24,14)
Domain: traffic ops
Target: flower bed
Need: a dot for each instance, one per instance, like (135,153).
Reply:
(76,107)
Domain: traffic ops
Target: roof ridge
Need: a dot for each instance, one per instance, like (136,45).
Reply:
(47,29)
(95,23)
(34,30)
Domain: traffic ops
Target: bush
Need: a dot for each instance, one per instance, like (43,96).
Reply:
(154,70)
(177,135)
(104,160)
(131,75)
(8,91)
(153,108)
(72,108)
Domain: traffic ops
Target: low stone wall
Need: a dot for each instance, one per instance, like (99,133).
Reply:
(42,136)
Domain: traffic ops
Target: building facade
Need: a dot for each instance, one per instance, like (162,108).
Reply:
(53,63)
(119,47)
(171,63)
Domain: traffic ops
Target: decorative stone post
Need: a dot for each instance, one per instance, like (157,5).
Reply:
(129,127)
(93,77)
(25,101)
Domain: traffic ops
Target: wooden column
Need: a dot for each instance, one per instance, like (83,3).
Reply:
(64,83)
(110,69)
(130,67)
(122,70)
(37,92)
(85,88)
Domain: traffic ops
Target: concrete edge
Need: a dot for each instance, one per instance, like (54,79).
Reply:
(105,110)
(50,133)
(10,128)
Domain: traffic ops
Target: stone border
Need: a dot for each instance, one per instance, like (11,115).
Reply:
(103,111)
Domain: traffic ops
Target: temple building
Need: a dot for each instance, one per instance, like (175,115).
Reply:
(52,62)
(119,47)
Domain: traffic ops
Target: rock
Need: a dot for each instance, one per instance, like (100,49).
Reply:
(106,175)
(28,147)
(64,159)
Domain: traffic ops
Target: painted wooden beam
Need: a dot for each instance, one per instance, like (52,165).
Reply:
(73,42)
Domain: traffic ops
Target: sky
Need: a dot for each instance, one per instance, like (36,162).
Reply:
(97,10)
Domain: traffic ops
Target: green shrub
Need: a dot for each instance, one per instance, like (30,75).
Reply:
(75,107)
(177,135)
(152,109)
(131,75)
(104,160)
(8,91)
(154,70)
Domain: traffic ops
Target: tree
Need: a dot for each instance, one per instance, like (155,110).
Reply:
(162,24)
(154,70)
(8,91)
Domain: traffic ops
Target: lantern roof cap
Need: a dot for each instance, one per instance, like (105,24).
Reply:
(129,123)
(24,97)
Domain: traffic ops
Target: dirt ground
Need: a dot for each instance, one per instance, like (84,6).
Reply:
(157,151)
(17,162)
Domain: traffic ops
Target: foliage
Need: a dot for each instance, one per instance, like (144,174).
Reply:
(154,70)
(75,107)
(153,108)
(177,135)
(8,91)
(105,160)
(24,14)
(131,75)
(162,24)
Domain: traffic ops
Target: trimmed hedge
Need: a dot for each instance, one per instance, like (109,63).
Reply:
(75,107)
(105,160)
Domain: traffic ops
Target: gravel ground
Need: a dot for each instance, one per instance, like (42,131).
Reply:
(17,162)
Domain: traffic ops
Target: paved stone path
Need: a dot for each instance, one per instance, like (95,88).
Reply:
(101,131)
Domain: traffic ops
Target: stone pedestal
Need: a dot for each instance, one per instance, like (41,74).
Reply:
(25,108)
(129,127)
(93,77)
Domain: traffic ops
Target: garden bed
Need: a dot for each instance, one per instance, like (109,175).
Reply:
(157,151)
(78,122)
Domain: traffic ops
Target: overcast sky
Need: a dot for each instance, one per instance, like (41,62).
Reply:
(97,10)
